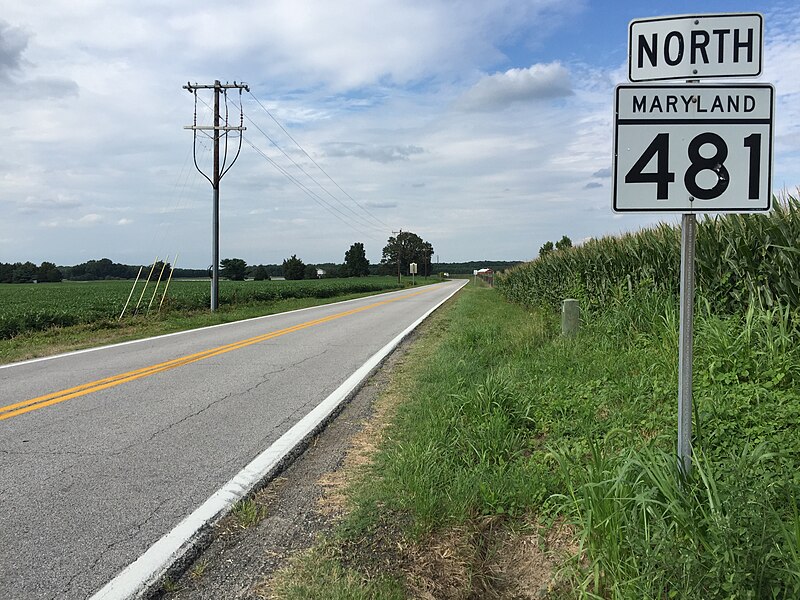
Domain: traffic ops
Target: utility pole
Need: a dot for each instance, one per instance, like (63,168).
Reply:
(218,172)
(399,245)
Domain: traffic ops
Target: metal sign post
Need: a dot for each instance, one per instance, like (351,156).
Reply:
(685,349)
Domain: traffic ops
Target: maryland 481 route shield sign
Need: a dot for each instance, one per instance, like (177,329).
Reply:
(693,148)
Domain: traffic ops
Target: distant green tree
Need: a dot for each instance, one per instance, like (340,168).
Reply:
(564,243)
(546,249)
(294,268)
(48,273)
(310,272)
(405,248)
(6,272)
(260,273)
(355,261)
(427,254)
(24,272)
(234,269)
(332,270)
(157,271)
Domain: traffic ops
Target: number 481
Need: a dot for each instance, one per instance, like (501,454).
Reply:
(662,176)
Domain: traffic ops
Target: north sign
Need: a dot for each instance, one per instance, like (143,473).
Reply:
(693,148)
(695,47)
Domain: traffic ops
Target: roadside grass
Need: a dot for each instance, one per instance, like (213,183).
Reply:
(198,569)
(56,340)
(319,575)
(507,428)
(248,512)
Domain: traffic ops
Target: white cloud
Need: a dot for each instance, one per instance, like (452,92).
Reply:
(354,43)
(13,41)
(34,205)
(603,173)
(498,91)
(87,220)
(381,154)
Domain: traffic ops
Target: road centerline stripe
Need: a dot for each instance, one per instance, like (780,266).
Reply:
(25,406)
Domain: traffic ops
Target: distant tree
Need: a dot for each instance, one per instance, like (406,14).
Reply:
(234,269)
(310,272)
(332,270)
(355,261)
(564,243)
(24,272)
(103,268)
(48,273)
(294,268)
(6,272)
(157,271)
(405,248)
(427,254)
(546,249)
(260,273)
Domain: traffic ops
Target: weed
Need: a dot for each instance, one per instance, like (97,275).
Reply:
(169,586)
(248,512)
(199,568)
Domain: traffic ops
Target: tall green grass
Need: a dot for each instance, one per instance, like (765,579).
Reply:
(731,530)
(651,534)
(741,259)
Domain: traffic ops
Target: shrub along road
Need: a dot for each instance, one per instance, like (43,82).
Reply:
(103,452)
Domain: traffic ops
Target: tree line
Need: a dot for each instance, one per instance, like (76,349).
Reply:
(28,272)
(92,270)
(399,252)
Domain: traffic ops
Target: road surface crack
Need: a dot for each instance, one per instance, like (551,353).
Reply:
(132,533)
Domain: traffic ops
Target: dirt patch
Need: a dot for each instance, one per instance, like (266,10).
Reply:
(487,560)
(363,444)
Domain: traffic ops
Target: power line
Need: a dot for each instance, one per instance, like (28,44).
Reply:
(310,193)
(289,135)
(313,195)
(312,178)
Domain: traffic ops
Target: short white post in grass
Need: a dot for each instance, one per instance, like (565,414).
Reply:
(570,317)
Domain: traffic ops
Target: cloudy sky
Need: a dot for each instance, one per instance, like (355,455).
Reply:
(483,126)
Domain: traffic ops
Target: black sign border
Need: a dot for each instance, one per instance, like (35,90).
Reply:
(692,76)
(739,210)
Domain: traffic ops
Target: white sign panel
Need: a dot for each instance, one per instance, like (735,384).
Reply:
(412,268)
(695,46)
(693,148)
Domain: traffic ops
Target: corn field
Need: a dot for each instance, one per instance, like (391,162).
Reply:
(740,259)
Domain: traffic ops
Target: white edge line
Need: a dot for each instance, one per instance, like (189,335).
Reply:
(186,331)
(137,578)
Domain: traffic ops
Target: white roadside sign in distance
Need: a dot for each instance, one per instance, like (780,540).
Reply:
(695,47)
(693,148)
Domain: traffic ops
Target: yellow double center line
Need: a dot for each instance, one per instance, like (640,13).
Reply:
(19,408)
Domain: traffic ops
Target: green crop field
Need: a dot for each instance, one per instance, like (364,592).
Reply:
(34,307)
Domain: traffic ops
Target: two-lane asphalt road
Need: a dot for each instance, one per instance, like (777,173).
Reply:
(102,452)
